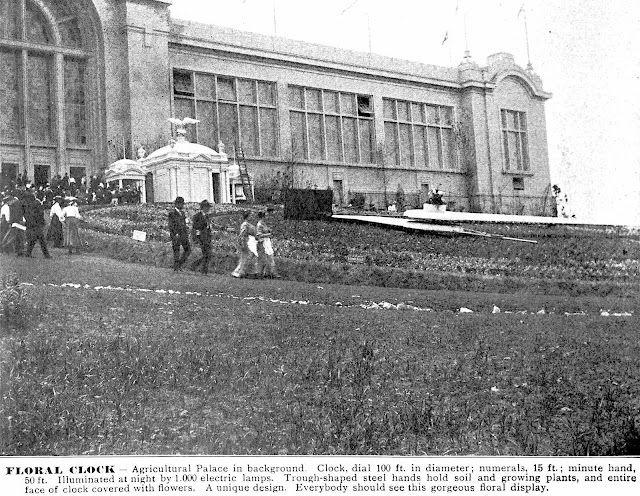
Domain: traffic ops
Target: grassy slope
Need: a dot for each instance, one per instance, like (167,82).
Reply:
(117,372)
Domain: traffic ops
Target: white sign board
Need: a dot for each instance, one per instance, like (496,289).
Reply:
(139,235)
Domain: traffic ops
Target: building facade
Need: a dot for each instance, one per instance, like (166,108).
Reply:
(89,81)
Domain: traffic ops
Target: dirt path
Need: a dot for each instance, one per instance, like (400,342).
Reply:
(87,271)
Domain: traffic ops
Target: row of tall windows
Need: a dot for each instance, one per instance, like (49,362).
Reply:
(331,125)
(238,112)
(419,135)
(36,29)
(28,103)
(514,140)
(40,92)
(328,125)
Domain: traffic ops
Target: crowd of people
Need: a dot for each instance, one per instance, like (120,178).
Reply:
(254,242)
(22,223)
(22,226)
(89,190)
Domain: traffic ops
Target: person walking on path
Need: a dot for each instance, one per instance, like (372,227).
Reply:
(34,222)
(179,233)
(71,219)
(14,216)
(5,214)
(54,234)
(201,235)
(246,248)
(266,263)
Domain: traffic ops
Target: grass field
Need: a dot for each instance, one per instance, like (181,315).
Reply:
(107,357)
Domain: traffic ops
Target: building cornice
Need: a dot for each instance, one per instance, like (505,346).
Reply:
(315,66)
(203,39)
(200,38)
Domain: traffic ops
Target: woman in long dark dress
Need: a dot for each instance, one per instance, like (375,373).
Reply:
(54,234)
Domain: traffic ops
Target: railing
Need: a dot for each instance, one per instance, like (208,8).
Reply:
(374,201)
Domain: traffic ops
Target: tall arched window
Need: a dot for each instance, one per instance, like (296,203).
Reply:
(46,89)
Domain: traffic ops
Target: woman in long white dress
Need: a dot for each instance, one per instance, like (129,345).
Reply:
(266,263)
(246,238)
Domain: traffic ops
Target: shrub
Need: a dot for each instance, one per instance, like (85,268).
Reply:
(357,200)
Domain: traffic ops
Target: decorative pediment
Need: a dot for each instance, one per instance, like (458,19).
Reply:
(181,150)
(502,66)
(124,169)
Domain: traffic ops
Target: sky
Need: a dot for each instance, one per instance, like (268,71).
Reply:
(587,53)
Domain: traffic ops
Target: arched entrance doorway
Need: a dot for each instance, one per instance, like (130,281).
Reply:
(49,88)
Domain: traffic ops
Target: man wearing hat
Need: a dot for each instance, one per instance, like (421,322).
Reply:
(34,222)
(179,233)
(201,234)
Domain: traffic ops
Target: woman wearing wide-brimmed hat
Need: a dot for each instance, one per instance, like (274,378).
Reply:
(71,219)
(55,234)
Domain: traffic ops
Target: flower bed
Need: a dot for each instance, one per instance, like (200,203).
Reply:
(562,253)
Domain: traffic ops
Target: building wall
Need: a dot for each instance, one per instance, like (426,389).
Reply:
(136,77)
(142,46)
(512,93)
(356,177)
(114,81)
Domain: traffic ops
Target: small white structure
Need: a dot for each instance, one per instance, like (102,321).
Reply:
(190,170)
(127,172)
(235,184)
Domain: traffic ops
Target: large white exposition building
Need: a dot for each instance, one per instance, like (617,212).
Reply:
(86,82)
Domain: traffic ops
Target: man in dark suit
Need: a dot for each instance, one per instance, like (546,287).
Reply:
(34,221)
(201,234)
(179,233)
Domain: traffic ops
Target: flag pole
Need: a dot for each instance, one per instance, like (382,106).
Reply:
(275,25)
(369,29)
(467,53)
(523,11)
(526,34)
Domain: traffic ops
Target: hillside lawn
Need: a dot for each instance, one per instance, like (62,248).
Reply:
(288,367)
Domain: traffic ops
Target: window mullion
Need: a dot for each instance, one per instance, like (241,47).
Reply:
(258,118)
(440,133)
(341,126)
(440,147)
(340,136)
(238,137)
(325,151)
(60,109)
(25,105)
(22,25)
(217,107)
(506,149)
(195,106)
(357,137)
